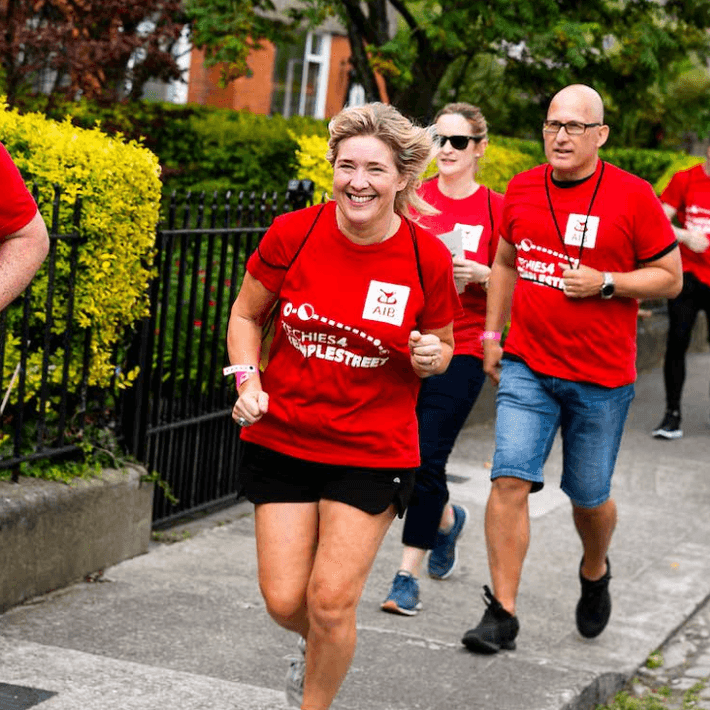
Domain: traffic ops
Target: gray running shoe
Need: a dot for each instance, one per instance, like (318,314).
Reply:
(295,675)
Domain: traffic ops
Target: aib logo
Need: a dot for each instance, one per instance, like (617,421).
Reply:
(387,297)
(582,230)
(386,302)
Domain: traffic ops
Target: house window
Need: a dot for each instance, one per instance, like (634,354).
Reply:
(301,77)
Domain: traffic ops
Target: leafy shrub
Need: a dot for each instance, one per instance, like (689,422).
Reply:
(312,164)
(118,183)
(200,148)
(500,163)
(243,151)
(522,145)
(647,164)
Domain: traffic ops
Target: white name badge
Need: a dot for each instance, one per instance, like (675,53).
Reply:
(471,236)
(386,302)
(575,230)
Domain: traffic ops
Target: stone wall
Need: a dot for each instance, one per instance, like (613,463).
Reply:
(53,534)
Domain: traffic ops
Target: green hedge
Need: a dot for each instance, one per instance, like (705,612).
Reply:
(118,183)
(203,148)
(200,148)
(647,164)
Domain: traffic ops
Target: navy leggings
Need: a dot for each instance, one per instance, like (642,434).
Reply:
(682,313)
(445,401)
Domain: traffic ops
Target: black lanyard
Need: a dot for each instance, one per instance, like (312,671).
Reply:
(586,219)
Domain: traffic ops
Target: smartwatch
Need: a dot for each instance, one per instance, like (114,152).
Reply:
(608,286)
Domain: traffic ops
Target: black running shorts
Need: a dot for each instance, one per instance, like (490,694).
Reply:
(267,476)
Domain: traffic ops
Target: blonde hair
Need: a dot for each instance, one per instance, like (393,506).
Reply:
(410,146)
(471,113)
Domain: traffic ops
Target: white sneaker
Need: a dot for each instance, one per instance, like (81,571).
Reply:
(295,675)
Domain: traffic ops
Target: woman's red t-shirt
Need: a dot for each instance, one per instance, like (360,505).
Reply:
(478,221)
(339,378)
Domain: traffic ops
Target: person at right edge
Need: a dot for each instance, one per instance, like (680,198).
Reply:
(580,241)
(686,197)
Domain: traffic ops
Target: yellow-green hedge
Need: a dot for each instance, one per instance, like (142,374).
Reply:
(119,185)
(497,167)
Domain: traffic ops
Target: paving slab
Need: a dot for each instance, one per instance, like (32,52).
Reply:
(184,626)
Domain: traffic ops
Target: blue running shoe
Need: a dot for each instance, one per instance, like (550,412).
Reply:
(442,559)
(404,595)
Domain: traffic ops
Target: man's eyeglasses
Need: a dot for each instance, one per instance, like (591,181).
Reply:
(458,142)
(572,128)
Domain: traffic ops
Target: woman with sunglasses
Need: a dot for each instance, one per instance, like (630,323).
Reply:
(468,216)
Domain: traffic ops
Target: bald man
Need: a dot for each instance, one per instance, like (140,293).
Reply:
(581,241)
(23,235)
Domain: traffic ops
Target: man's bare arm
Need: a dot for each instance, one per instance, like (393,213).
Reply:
(21,255)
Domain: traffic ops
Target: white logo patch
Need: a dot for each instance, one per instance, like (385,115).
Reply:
(386,302)
(575,230)
(471,236)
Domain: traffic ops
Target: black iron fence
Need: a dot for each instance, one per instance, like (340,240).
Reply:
(41,414)
(178,415)
(176,419)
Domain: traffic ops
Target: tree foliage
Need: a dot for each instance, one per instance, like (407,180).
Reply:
(629,50)
(228,30)
(101,49)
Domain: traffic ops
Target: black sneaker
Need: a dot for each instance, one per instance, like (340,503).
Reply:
(594,606)
(496,630)
(669,428)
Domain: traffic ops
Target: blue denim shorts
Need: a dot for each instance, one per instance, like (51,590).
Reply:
(532,407)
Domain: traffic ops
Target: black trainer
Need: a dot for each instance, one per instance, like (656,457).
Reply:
(594,606)
(496,630)
(669,428)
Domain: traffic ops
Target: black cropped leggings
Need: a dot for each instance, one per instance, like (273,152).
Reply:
(682,313)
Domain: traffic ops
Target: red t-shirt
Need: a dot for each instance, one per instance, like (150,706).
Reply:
(340,382)
(17,207)
(689,193)
(588,339)
(472,217)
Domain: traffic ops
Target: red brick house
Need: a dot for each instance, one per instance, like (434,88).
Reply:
(309,78)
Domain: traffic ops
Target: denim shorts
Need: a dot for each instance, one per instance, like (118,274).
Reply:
(532,407)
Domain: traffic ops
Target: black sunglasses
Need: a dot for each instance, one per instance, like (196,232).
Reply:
(458,142)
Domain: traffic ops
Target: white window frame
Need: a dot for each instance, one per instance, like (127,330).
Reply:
(323,60)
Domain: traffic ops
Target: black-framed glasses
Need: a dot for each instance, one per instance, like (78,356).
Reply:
(572,128)
(458,142)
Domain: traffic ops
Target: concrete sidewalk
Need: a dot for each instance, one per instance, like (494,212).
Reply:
(184,626)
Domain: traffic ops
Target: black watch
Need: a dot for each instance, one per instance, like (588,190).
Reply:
(608,287)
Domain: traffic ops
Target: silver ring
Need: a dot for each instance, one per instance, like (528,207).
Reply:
(242,422)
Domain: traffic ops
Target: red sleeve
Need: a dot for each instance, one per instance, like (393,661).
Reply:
(653,232)
(506,215)
(674,194)
(441,300)
(276,250)
(17,207)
